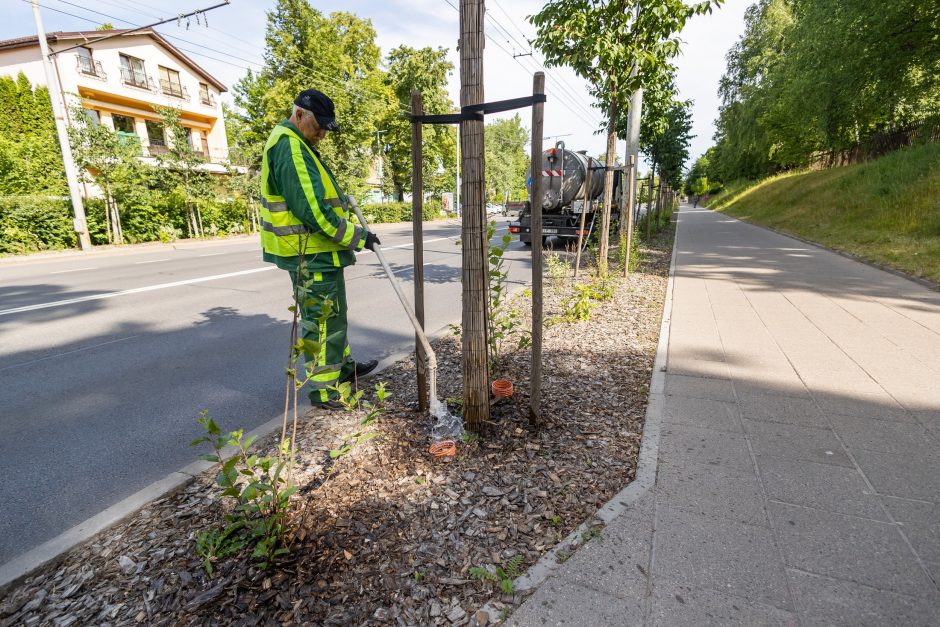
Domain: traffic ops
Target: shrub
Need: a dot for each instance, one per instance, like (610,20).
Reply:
(35,223)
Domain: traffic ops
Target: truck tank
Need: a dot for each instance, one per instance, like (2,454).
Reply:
(561,190)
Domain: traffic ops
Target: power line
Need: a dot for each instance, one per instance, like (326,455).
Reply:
(563,84)
(335,80)
(498,45)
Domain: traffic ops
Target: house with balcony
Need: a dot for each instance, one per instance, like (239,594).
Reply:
(121,81)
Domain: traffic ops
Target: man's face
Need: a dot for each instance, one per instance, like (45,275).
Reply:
(307,125)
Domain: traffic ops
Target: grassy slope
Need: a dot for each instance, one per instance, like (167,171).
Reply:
(887,211)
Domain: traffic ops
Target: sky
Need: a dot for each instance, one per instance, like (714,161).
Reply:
(233,41)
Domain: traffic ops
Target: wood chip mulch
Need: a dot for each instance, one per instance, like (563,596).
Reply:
(390,537)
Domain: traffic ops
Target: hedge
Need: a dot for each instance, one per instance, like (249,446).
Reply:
(400,212)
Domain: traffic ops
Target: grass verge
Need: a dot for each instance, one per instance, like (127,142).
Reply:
(886,211)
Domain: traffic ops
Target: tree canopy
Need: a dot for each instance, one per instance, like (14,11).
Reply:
(814,76)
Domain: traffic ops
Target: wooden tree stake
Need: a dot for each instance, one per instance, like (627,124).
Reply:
(626,212)
(535,202)
(417,219)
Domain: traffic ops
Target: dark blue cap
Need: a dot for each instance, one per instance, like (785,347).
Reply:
(320,106)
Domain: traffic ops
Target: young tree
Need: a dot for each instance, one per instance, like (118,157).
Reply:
(181,169)
(424,70)
(106,159)
(602,42)
(506,161)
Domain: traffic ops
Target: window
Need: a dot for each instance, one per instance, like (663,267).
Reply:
(156,137)
(93,116)
(123,123)
(170,82)
(205,144)
(132,72)
(86,64)
(205,97)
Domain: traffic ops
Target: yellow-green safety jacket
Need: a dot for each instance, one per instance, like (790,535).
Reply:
(303,211)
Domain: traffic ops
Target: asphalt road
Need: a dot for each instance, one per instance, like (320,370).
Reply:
(107,359)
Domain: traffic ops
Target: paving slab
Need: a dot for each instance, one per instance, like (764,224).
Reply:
(831,488)
(719,554)
(845,547)
(901,438)
(796,443)
(907,476)
(683,604)
(705,446)
(795,477)
(712,491)
(824,601)
(700,412)
(699,387)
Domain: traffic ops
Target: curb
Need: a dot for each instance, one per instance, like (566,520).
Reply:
(51,551)
(862,260)
(647,465)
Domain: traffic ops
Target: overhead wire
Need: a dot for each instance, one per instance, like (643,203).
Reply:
(564,85)
(496,43)
(371,96)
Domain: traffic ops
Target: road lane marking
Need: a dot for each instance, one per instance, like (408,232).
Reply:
(135,290)
(73,270)
(77,350)
(211,254)
(384,248)
(137,263)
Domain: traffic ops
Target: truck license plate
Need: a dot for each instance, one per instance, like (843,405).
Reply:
(549,231)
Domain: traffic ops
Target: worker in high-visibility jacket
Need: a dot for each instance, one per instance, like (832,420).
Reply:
(306,230)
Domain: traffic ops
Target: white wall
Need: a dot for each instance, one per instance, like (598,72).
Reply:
(113,93)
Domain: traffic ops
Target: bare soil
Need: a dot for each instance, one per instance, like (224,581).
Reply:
(388,534)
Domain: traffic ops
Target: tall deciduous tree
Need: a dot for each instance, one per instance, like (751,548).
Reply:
(336,54)
(603,42)
(424,70)
(506,161)
(810,76)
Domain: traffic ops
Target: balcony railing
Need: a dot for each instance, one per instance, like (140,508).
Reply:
(89,67)
(171,89)
(156,149)
(136,78)
(207,99)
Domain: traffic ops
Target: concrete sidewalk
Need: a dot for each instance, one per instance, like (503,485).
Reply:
(798,478)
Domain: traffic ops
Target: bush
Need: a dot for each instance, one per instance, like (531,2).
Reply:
(387,212)
(35,223)
(400,211)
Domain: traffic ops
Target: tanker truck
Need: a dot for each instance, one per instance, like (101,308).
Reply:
(568,193)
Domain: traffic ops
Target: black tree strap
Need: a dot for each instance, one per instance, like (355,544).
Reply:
(477,111)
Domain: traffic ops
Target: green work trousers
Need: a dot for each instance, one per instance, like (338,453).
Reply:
(323,317)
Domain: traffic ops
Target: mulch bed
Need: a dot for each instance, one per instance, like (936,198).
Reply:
(390,537)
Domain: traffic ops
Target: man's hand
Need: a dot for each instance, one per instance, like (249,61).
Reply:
(371,240)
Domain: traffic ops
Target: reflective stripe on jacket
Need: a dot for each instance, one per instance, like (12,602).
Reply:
(322,225)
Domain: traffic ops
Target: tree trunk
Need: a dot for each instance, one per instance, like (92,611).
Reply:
(474,351)
(116,221)
(608,186)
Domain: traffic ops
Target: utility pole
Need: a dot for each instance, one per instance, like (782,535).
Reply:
(633,162)
(381,148)
(476,396)
(457,193)
(58,109)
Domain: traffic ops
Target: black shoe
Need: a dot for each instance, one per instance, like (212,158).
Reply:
(362,369)
(330,405)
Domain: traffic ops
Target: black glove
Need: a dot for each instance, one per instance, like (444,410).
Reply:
(371,240)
